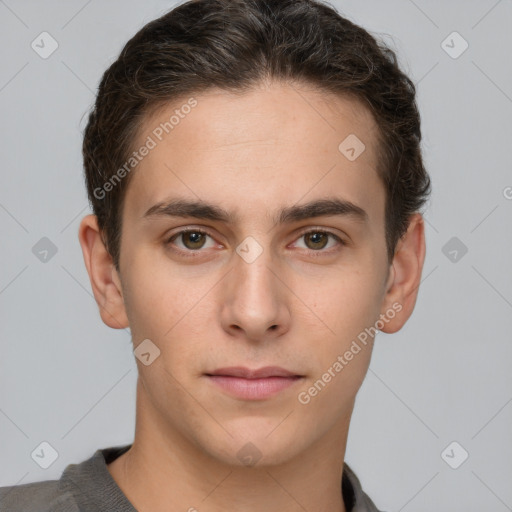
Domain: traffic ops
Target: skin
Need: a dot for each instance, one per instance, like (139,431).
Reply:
(252,154)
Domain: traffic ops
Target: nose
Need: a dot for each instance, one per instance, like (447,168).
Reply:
(255,301)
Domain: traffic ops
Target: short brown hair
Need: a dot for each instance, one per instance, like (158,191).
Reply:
(234,45)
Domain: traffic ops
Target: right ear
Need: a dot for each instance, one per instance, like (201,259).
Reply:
(105,282)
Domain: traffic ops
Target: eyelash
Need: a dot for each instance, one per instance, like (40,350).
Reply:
(189,253)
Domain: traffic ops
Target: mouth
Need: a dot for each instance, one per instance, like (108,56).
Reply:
(258,384)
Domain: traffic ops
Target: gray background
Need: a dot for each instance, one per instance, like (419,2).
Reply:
(67,379)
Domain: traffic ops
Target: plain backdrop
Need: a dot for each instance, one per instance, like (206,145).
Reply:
(68,380)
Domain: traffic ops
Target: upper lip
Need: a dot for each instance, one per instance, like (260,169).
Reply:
(259,373)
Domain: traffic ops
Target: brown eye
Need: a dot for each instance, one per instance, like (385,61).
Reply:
(189,240)
(317,239)
(193,239)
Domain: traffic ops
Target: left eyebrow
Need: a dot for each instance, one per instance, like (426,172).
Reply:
(327,207)
(199,209)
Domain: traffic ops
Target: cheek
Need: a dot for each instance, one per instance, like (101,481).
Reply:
(345,311)
(342,355)
(155,297)
(344,302)
(169,309)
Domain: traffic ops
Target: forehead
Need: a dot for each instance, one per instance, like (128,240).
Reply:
(267,147)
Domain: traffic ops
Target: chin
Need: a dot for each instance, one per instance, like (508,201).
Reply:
(256,445)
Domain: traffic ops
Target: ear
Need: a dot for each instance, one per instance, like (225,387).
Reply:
(405,275)
(105,282)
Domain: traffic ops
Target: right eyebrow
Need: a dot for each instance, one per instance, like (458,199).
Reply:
(185,208)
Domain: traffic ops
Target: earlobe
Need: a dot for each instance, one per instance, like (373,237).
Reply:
(102,275)
(405,275)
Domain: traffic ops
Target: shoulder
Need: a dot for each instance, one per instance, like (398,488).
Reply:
(355,497)
(87,486)
(43,496)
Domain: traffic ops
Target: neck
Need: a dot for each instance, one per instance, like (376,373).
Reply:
(167,471)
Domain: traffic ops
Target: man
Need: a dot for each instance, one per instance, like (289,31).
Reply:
(256,180)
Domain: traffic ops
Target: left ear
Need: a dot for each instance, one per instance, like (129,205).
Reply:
(405,275)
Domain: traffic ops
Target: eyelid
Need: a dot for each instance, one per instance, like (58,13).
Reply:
(180,230)
(320,229)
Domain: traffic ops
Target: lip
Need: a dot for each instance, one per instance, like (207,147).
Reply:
(258,384)
(247,373)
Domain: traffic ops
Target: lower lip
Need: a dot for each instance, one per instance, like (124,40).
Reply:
(253,389)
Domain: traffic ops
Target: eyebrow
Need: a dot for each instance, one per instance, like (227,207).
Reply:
(203,210)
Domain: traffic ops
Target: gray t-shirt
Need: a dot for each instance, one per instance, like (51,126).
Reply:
(89,487)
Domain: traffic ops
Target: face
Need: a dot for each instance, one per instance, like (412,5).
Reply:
(274,283)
